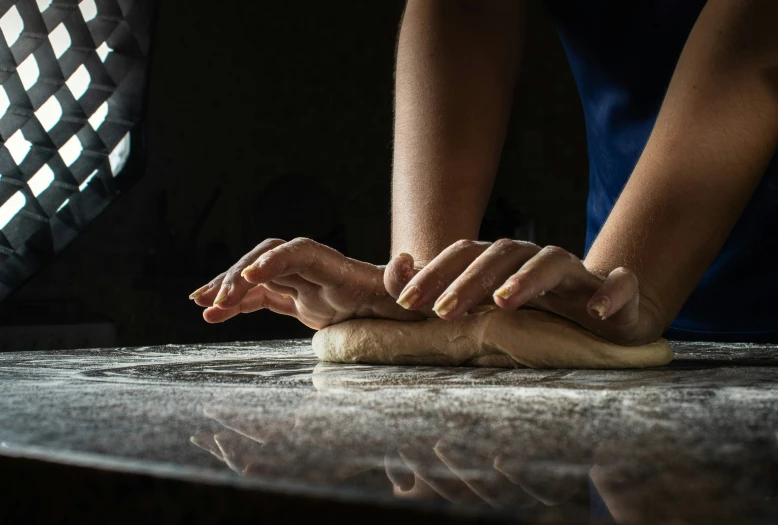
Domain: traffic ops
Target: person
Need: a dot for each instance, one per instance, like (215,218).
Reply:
(681,107)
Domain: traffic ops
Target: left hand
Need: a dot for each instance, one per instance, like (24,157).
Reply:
(301,278)
(512,274)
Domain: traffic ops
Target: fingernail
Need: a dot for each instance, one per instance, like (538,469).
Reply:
(221,297)
(446,303)
(506,292)
(409,296)
(197,293)
(601,306)
(248,269)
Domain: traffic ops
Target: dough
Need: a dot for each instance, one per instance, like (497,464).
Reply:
(498,338)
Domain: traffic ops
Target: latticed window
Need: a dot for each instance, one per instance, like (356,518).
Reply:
(72,93)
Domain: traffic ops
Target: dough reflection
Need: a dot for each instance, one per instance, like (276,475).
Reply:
(548,453)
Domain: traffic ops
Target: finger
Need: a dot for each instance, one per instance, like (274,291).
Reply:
(256,426)
(204,439)
(238,451)
(214,314)
(477,472)
(256,299)
(291,285)
(398,274)
(234,286)
(419,491)
(429,283)
(398,472)
(611,490)
(429,469)
(550,269)
(483,276)
(205,295)
(312,261)
(273,286)
(551,486)
(619,292)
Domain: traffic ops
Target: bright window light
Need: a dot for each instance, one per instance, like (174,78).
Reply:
(43,5)
(60,40)
(103,51)
(4,102)
(63,204)
(18,146)
(11,207)
(88,9)
(39,182)
(71,150)
(118,157)
(11,25)
(28,72)
(82,186)
(49,113)
(98,117)
(79,82)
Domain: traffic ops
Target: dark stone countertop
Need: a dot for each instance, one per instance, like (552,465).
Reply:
(693,442)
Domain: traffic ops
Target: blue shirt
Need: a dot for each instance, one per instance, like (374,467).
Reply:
(623,54)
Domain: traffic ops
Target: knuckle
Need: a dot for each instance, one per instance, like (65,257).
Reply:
(625,274)
(469,245)
(503,245)
(619,272)
(247,259)
(269,242)
(463,244)
(231,277)
(555,251)
(304,241)
(527,246)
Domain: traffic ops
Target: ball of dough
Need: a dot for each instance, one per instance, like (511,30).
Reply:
(498,338)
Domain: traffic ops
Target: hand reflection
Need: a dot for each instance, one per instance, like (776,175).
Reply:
(276,448)
(338,433)
(435,469)
(462,474)
(547,451)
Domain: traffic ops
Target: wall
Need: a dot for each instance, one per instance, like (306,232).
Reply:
(274,119)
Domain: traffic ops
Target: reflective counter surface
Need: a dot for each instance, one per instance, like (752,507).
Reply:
(693,442)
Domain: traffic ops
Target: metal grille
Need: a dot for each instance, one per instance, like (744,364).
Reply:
(72,91)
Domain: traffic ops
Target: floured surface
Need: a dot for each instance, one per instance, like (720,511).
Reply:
(691,442)
(498,338)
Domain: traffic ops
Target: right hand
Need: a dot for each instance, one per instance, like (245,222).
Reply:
(302,278)
(512,274)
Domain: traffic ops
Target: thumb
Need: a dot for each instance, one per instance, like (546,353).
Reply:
(398,273)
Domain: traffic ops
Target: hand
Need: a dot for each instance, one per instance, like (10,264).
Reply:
(282,447)
(465,472)
(302,278)
(512,274)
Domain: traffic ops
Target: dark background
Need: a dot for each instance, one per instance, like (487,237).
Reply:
(274,119)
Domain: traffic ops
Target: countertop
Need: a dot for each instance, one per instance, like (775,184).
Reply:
(692,442)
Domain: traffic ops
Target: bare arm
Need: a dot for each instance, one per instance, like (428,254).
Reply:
(456,67)
(714,137)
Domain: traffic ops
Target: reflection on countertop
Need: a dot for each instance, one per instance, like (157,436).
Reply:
(694,442)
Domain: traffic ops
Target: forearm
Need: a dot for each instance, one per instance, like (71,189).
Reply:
(714,137)
(456,68)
